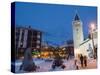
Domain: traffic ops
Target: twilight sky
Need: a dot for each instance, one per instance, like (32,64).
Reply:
(55,21)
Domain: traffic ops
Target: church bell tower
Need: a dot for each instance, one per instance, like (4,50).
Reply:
(77,33)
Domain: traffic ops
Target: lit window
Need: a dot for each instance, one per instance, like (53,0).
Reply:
(38,36)
(37,46)
(38,41)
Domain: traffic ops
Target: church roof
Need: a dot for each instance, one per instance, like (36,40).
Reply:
(85,41)
(76,17)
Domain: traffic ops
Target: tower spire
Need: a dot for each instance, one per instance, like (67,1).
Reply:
(76,17)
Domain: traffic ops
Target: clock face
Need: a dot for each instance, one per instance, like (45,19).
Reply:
(77,30)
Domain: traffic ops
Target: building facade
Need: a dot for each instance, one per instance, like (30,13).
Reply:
(27,37)
(81,46)
(69,48)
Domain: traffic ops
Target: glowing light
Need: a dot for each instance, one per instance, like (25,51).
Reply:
(92,27)
(46,47)
(63,48)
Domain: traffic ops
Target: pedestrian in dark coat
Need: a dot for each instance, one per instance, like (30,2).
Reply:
(85,61)
(81,59)
(76,65)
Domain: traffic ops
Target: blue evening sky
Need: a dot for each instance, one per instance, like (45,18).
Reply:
(55,21)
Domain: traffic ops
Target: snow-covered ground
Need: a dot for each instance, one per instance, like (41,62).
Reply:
(91,64)
(18,63)
(47,65)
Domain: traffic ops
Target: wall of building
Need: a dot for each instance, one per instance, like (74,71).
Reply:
(27,37)
(86,48)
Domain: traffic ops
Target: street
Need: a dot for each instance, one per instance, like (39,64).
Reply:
(45,66)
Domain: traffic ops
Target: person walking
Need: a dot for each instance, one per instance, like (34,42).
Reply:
(85,61)
(76,64)
(81,59)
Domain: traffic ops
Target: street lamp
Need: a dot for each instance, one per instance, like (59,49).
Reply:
(92,28)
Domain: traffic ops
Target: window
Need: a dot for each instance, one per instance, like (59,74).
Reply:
(38,36)
(38,41)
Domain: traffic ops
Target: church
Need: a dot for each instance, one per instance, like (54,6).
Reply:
(86,47)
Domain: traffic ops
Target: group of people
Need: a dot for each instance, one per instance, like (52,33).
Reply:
(83,61)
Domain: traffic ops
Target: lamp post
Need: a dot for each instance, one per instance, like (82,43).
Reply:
(92,28)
